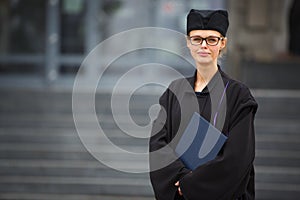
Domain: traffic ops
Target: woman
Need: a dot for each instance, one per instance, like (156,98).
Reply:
(230,175)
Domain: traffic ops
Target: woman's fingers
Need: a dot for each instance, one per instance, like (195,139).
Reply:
(179,190)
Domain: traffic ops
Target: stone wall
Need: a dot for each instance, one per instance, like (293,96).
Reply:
(258,31)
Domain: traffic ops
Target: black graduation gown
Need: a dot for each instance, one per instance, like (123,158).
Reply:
(231,174)
(294,28)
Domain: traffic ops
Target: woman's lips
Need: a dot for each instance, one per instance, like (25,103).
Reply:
(204,54)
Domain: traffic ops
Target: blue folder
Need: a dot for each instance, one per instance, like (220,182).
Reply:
(199,143)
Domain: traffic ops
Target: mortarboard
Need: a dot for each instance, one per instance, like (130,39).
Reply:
(208,20)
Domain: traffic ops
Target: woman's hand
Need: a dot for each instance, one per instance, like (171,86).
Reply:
(179,190)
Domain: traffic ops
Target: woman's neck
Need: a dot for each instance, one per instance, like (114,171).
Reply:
(204,75)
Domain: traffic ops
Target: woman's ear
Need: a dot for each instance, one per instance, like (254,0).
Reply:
(223,47)
(223,43)
(188,43)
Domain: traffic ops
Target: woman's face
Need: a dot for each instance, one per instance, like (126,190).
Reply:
(204,53)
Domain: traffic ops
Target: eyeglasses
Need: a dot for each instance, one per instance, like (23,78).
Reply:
(211,40)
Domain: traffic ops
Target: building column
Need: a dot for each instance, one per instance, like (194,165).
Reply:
(92,37)
(52,41)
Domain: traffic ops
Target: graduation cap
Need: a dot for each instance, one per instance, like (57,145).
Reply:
(208,20)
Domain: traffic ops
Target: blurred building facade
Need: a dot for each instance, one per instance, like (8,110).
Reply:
(48,40)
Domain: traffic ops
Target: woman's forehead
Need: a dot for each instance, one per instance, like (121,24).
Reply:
(204,33)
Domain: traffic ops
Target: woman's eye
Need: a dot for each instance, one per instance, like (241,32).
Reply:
(197,39)
(212,40)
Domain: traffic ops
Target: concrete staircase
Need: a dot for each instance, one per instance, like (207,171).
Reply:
(278,145)
(42,157)
(277,90)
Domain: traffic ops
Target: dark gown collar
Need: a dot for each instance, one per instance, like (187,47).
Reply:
(210,84)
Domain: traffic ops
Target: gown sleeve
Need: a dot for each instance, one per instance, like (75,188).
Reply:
(222,177)
(163,179)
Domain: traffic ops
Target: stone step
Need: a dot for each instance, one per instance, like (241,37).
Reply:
(71,143)
(283,127)
(66,171)
(277,174)
(275,191)
(271,75)
(49,196)
(272,103)
(45,102)
(76,185)
(278,107)
(277,158)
